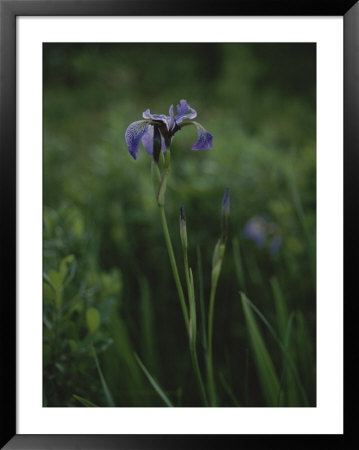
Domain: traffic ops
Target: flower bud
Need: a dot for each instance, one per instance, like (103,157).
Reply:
(183,228)
(217,259)
(225,215)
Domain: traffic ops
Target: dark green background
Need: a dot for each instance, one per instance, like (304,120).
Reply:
(259,102)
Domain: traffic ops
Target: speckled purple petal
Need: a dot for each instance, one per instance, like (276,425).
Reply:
(184,111)
(134,134)
(147,141)
(204,141)
(161,117)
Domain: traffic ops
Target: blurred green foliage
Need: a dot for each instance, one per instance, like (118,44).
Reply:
(107,280)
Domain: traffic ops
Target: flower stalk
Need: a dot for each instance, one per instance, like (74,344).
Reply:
(217,261)
(192,327)
(173,264)
(155,133)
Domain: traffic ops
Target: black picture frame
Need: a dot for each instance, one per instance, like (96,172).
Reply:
(9,10)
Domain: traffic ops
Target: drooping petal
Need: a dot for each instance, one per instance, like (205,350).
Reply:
(147,141)
(204,141)
(184,111)
(171,112)
(161,117)
(171,121)
(134,134)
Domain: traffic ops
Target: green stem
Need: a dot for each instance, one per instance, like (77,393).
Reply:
(217,260)
(212,392)
(186,270)
(192,338)
(198,374)
(173,264)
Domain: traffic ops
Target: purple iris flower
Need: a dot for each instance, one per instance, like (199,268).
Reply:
(256,230)
(146,130)
(263,233)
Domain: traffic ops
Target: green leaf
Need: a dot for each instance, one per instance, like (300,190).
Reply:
(56,279)
(85,402)
(48,281)
(72,345)
(238,263)
(192,313)
(92,319)
(64,266)
(105,388)
(265,367)
(201,299)
(154,383)
(228,389)
(49,293)
(291,366)
(78,227)
(147,324)
(280,308)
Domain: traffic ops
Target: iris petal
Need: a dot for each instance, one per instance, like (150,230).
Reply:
(171,118)
(134,134)
(184,111)
(147,141)
(204,141)
(161,117)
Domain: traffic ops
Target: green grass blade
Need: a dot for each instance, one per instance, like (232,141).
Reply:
(285,382)
(282,347)
(238,264)
(105,388)
(228,390)
(265,367)
(305,352)
(154,383)
(147,324)
(301,216)
(48,281)
(280,308)
(84,401)
(192,339)
(293,395)
(201,300)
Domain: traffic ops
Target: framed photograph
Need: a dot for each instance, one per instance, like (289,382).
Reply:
(174,199)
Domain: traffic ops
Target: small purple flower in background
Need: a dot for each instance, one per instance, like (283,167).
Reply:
(263,233)
(275,244)
(144,130)
(255,229)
